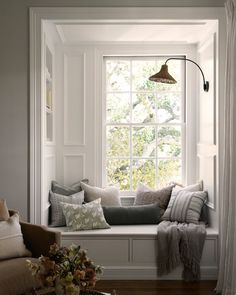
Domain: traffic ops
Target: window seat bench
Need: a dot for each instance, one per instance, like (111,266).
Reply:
(129,251)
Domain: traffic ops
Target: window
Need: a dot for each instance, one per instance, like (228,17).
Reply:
(144,123)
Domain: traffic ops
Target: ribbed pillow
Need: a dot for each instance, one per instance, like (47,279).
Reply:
(67,190)
(185,206)
(11,239)
(110,196)
(57,216)
(145,214)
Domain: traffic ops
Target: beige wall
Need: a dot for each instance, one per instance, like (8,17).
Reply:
(14,87)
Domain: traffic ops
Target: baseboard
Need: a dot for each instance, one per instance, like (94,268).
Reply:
(150,273)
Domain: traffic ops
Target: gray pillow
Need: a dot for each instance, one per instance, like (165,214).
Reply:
(145,214)
(110,196)
(86,216)
(57,216)
(67,190)
(185,206)
(145,195)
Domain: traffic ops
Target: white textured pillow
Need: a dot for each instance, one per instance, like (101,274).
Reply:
(196,187)
(11,239)
(87,216)
(109,196)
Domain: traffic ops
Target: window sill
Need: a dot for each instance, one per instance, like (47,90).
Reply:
(127,200)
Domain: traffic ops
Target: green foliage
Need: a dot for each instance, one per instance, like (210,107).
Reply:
(118,173)
(144,171)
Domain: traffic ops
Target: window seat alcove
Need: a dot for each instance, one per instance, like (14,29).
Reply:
(129,251)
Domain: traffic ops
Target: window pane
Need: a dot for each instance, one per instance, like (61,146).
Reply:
(118,141)
(174,69)
(143,105)
(168,171)
(118,173)
(141,71)
(118,75)
(168,108)
(169,141)
(118,108)
(143,171)
(150,113)
(144,141)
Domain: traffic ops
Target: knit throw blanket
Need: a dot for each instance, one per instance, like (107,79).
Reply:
(180,242)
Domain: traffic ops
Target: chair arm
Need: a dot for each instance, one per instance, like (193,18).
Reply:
(38,238)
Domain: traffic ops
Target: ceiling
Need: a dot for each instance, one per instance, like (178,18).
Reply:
(166,31)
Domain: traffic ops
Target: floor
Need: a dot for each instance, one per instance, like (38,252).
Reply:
(157,287)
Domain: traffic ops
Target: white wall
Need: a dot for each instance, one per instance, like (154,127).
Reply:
(14,88)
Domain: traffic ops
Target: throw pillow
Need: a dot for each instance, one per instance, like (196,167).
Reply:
(109,196)
(145,195)
(67,190)
(190,188)
(57,216)
(11,241)
(185,206)
(87,216)
(145,214)
(4,214)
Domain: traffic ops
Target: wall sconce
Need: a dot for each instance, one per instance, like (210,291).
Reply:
(164,77)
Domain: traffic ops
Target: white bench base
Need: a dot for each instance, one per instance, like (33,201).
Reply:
(129,252)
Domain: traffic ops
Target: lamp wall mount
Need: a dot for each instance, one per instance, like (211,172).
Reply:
(164,77)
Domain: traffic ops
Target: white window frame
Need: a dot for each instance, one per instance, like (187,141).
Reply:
(155,124)
(189,169)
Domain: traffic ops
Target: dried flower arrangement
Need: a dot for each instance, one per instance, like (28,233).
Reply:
(67,269)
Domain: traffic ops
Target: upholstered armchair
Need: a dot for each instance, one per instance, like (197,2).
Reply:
(15,277)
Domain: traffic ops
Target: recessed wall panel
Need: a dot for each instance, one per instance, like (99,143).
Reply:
(73,168)
(207,99)
(74,75)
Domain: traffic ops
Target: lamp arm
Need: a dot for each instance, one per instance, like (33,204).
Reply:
(205,83)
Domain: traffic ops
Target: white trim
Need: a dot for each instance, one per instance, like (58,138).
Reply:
(35,117)
(61,33)
(67,142)
(106,15)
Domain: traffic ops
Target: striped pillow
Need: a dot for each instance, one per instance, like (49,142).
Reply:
(185,206)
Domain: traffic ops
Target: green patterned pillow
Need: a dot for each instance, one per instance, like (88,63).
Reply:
(87,216)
